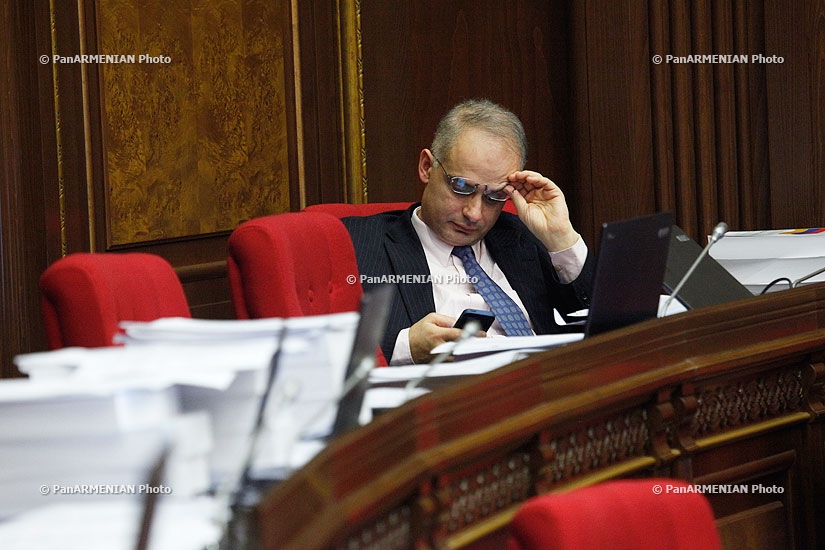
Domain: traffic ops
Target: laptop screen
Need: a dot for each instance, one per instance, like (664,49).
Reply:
(710,284)
(630,269)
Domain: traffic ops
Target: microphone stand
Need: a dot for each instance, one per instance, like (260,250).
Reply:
(471,328)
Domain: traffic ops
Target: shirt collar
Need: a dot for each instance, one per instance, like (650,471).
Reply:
(434,246)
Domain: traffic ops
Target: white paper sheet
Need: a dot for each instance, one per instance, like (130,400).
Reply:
(473,346)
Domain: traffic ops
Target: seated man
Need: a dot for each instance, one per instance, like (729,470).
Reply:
(457,250)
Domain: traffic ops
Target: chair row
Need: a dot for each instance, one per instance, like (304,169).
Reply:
(283,265)
(297,264)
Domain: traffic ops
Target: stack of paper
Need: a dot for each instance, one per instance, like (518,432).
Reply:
(310,375)
(113,525)
(62,442)
(757,258)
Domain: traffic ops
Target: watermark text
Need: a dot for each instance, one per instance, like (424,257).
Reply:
(718,59)
(412,279)
(105,489)
(104,59)
(718,488)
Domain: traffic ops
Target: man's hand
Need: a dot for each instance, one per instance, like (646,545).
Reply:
(541,206)
(432,330)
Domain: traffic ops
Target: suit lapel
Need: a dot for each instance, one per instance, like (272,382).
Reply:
(407,257)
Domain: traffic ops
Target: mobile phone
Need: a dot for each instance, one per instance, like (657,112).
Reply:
(484,318)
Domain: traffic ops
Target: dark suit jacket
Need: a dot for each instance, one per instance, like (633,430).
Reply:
(387,244)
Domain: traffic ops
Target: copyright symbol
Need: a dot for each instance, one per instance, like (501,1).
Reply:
(351,279)
(44,489)
(657,489)
(44,59)
(657,59)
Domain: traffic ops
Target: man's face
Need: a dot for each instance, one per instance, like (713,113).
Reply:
(464,219)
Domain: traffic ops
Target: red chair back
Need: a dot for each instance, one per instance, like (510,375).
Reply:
(643,514)
(86,295)
(291,265)
(343,210)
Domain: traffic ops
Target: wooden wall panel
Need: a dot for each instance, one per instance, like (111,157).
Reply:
(420,59)
(614,170)
(22,237)
(197,142)
(730,141)
(795,32)
(622,135)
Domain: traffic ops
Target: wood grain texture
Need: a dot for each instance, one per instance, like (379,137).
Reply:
(420,60)
(199,144)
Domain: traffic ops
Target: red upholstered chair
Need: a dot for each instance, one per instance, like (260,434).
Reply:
(617,515)
(291,265)
(85,296)
(342,210)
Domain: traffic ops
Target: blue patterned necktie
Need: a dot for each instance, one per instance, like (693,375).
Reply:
(509,315)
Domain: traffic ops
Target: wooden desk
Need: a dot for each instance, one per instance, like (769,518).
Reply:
(728,395)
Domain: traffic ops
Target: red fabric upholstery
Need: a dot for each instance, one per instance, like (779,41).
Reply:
(342,210)
(86,295)
(291,265)
(618,515)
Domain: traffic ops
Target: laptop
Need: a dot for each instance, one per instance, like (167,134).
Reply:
(710,283)
(630,270)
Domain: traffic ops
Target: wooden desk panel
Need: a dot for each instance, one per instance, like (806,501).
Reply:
(724,395)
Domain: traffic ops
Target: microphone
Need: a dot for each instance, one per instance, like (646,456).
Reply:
(233,489)
(471,328)
(717,233)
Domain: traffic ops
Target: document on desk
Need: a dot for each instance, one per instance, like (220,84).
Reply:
(182,330)
(475,346)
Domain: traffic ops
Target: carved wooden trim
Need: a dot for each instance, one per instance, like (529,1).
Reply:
(816,394)
(61,185)
(392,531)
(738,403)
(352,71)
(597,445)
(472,496)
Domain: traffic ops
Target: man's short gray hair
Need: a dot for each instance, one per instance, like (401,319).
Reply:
(481,114)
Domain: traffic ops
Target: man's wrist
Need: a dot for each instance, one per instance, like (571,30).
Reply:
(559,241)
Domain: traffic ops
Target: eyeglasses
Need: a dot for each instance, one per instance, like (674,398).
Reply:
(463,186)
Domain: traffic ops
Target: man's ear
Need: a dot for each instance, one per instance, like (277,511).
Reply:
(425,163)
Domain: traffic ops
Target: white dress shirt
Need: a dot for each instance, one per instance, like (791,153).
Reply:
(452,291)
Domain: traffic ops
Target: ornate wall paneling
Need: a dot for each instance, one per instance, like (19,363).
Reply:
(168,154)
(182,130)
